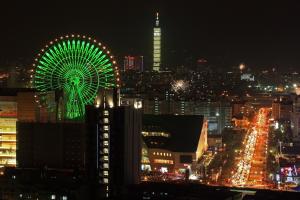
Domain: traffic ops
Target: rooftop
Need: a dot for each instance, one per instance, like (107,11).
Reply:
(184,130)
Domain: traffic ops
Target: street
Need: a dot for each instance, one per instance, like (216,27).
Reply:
(251,167)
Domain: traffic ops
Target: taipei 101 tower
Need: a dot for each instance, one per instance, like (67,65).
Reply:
(156,45)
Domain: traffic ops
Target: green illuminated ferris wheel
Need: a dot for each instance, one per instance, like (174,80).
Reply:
(78,66)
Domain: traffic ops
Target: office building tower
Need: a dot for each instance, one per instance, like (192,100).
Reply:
(113,145)
(157,45)
(282,108)
(295,119)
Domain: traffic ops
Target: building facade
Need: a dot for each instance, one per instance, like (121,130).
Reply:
(218,114)
(157,45)
(282,108)
(113,145)
(15,105)
(175,142)
(295,119)
(59,145)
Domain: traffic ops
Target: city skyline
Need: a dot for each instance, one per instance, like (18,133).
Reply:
(260,35)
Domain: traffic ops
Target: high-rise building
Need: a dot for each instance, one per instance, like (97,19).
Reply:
(107,146)
(135,63)
(15,105)
(295,119)
(238,108)
(156,45)
(113,146)
(282,108)
(218,114)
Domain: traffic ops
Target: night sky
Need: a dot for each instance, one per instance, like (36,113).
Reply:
(258,34)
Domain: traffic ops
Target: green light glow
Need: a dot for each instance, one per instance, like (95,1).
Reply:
(77,67)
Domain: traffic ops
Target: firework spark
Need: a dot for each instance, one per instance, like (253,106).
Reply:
(180,85)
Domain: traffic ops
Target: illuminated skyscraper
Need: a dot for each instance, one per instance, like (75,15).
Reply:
(113,145)
(156,45)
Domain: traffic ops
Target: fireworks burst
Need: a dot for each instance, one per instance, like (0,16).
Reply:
(180,85)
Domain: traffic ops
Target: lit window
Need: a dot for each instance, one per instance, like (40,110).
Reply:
(105,157)
(105,128)
(145,133)
(105,112)
(53,196)
(105,143)
(164,154)
(105,120)
(105,165)
(153,153)
(64,198)
(105,150)
(105,173)
(161,154)
(162,161)
(105,135)
(105,180)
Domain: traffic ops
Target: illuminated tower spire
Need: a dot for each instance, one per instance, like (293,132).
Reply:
(156,45)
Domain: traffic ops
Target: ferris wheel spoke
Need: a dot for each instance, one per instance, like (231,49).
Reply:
(54,54)
(65,53)
(58,54)
(89,52)
(87,96)
(98,56)
(75,52)
(100,60)
(94,53)
(72,54)
(81,54)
